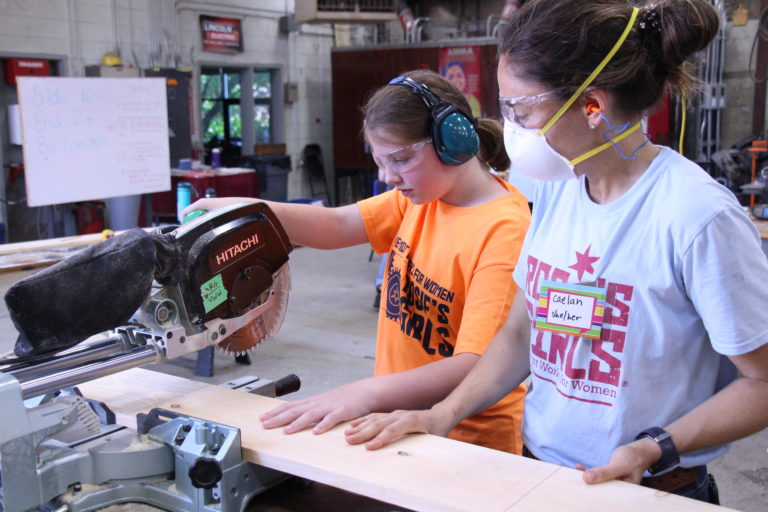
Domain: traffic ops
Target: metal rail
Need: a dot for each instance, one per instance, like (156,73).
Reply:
(92,352)
(78,374)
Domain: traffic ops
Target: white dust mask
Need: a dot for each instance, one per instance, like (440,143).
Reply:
(530,152)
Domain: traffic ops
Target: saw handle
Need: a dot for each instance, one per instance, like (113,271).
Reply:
(288,384)
(193,215)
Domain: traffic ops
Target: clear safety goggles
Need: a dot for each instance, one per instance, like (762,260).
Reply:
(517,110)
(401,159)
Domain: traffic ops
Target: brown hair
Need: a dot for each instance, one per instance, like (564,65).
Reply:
(558,43)
(404,114)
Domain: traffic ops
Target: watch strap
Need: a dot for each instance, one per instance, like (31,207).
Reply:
(669,456)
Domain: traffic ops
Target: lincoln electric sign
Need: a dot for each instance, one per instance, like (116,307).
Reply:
(221,34)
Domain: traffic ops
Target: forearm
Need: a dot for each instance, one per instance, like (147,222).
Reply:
(419,388)
(321,228)
(311,226)
(502,368)
(739,410)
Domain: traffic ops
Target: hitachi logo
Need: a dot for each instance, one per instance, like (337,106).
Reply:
(236,249)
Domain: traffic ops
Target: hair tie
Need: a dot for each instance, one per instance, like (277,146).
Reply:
(650,19)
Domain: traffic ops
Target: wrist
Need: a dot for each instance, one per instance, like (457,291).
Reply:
(376,396)
(658,449)
(650,452)
(443,418)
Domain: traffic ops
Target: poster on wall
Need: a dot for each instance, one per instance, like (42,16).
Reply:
(221,34)
(461,66)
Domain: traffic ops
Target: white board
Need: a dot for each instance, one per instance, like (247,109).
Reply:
(93,138)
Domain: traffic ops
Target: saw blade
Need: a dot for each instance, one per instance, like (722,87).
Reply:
(266,325)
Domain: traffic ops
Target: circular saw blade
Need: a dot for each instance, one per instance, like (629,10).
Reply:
(266,325)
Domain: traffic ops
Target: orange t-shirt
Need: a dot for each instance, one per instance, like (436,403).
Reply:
(447,289)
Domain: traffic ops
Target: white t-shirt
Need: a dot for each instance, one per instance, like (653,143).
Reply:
(686,281)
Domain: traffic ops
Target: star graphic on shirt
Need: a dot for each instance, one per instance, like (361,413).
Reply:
(584,262)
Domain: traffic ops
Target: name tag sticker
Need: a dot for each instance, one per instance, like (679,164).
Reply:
(213,292)
(570,309)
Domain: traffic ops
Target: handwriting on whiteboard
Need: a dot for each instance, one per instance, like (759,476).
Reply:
(92,138)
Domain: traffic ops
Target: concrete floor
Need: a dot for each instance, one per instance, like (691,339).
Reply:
(328,338)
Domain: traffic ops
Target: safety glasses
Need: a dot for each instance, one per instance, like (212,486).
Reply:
(401,159)
(517,110)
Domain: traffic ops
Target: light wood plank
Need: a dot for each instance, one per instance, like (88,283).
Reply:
(50,243)
(44,253)
(420,472)
(565,490)
(137,390)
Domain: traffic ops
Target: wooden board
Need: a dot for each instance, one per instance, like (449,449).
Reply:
(43,253)
(50,244)
(419,472)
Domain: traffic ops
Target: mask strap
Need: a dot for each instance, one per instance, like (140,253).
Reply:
(594,73)
(605,146)
(682,125)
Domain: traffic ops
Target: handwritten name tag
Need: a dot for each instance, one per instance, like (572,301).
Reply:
(213,292)
(570,309)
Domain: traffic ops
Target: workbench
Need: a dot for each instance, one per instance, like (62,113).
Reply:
(418,472)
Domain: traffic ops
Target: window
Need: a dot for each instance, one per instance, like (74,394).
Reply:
(262,99)
(220,93)
(225,104)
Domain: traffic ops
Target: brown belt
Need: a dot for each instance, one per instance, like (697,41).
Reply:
(673,480)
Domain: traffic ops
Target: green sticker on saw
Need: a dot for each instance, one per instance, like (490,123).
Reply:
(213,292)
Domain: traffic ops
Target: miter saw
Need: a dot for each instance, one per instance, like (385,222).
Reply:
(221,279)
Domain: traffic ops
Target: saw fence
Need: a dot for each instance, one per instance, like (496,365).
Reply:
(419,472)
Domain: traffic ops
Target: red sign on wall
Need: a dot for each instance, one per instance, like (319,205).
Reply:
(221,34)
(25,67)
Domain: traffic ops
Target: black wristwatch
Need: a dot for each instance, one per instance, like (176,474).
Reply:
(669,456)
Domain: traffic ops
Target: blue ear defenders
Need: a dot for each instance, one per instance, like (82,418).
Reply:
(453,133)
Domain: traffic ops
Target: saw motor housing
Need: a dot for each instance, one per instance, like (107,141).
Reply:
(245,246)
(233,263)
(222,280)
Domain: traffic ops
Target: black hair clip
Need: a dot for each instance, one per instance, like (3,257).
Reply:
(650,19)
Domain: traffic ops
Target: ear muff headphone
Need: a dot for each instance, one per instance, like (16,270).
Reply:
(453,133)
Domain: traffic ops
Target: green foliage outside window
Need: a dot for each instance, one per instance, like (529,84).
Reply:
(220,91)
(262,94)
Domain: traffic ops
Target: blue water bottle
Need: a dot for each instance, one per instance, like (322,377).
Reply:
(183,197)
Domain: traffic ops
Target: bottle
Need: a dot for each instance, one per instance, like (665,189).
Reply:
(183,197)
(216,158)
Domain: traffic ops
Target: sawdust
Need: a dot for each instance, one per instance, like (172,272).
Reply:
(71,495)
(142,442)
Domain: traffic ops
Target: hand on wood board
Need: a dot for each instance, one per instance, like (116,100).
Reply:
(321,412)
(379,429)
(628,463)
